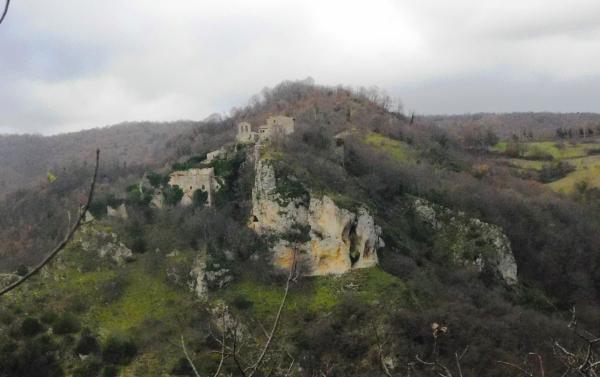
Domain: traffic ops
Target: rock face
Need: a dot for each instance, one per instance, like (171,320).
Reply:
(120,211)
(469,240)
(329,239)
(106,244)
(205,276)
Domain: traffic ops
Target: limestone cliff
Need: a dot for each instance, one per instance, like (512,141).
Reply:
(329,239)
(470,241)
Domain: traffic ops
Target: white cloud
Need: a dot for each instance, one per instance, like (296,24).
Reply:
(71,64)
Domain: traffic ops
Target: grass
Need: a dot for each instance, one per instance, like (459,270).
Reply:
(134,300)
(146,297)
(555,149)
(587,169)
(320,293)
(397,149)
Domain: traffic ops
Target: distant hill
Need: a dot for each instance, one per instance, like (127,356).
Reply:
(542,125)
(26,159)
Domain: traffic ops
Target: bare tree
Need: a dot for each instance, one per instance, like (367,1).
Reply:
(249,369)
(581,361)
(67,238)
(6,5)
(584,361)
(436,366)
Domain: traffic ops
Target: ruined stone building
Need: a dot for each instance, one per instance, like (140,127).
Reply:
(195,179)
(275,125)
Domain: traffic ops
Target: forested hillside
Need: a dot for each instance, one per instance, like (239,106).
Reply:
(26,159)
(479,269)
(538,125)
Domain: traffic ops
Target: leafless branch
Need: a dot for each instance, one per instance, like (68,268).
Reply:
(384,367)
(222,346)
(187,356)
(458,358)
(235,354)
(67,238)
(7,4)
(522,370)
(289,369)
(261,357)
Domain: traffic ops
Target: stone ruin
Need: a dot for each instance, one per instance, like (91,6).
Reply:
(275,125)
(195,179)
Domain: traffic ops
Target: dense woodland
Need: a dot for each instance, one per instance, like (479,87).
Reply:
(529,125)
(554,238)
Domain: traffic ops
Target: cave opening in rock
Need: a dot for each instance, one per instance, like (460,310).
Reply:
(352,239)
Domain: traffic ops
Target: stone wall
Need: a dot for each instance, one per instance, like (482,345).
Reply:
(195,179)
(275,125)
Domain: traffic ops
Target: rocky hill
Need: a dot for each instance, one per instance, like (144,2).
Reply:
(360,244)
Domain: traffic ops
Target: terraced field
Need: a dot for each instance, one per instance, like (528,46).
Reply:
(587,167)
(588,170)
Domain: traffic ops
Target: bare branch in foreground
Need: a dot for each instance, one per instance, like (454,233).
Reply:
(187,356)
(7,4)
(68,237)
(290,278)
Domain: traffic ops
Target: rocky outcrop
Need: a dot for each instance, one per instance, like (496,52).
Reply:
(328,239)
(270,213)
(470,241)
(158,199)
(106,244)
(119,212)
(205,276)
(198,277)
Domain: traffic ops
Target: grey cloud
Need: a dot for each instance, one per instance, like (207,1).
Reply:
(67,65)
(501,93)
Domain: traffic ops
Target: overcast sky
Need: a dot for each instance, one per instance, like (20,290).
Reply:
(66,65)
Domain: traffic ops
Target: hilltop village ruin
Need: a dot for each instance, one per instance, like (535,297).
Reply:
(205,179)
(275,126)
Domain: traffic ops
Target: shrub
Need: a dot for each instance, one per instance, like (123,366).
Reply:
(138,245)
(49,317)
(156,180)
(200,197)
(137,195)
(90,367)
(172,194)
(593,151)
(182,368)
(22,270)
(178,166)
(242,303)
(86,345)
(555,171)
(196,159)
(31,326)
(118,351)
(67,324)
(110,371)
